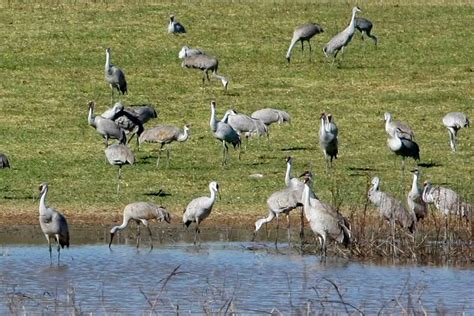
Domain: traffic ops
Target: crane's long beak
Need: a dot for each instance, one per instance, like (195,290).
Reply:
(111,238)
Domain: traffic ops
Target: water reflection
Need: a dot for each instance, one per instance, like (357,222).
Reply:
(218,276)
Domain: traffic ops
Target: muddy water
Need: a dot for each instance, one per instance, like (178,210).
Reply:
(221,276)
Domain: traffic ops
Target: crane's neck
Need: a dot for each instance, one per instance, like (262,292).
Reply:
(43,209)
(225,119)
(91,117)
(288,173)
(107,60)
(323,125)
(213,195)
(426,197)
(183,136)
(351,26)
(306,201)
(414,185)
(121,227)
(213,121)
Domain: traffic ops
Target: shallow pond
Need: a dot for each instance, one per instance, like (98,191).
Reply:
(243,277)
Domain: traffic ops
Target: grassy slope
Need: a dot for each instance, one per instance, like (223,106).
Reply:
(51,64)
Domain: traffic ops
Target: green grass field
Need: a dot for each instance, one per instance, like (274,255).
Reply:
(52,63)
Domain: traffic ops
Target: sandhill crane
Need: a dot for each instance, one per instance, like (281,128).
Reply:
(365,26)
(125,119)
(280,202)
(403,147)
(141,212)
(328,138)
(175,27)
(4,163)
(164,134)
(269,116)
(187,51)
(200,208)
(131,118)
(114,76)
(119,155)
(391,209)
(342,39)
(244,124)
(447,202)
(53,224)
(106,127)
(325,222)
(303,33)
(391,127)
(454,121)
(224,133)
(205,63)
(414,199)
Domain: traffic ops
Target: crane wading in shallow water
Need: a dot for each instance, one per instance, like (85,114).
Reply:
(141,213)
(454,121)
(164,134)
(114,76)
(325,221)
(224,133)
(301,34)
(200,208)
(53,224)
(342,39)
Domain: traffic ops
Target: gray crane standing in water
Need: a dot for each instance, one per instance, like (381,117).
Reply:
(119,155)
(328,138)
(187,51)
(224,133)
(141,213)
(391,126)
(342,39)
(53,224)
(205,63)
(280,202)
(447,202)
(392,210)
(4,163)
(114,76)
(301,34)
(454,121)
(325,221)
(365,26)
(403,147)
(164,134)
(414,199)
(106,127)
(175,27)
(199,209)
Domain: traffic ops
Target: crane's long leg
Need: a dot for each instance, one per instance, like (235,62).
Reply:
(159,154)
(59,248)
(302,225)
(452,139)
(277,228)
(302,46)
(168,156)
(138,234)
(196,232)
(224,153)
(309,43)
(112,95)
(118,179)
(151,237)
(50,250)
(288,232)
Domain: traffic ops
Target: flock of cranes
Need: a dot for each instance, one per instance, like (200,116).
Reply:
(326,222)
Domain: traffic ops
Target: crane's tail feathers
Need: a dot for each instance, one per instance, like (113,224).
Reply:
(347,239)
